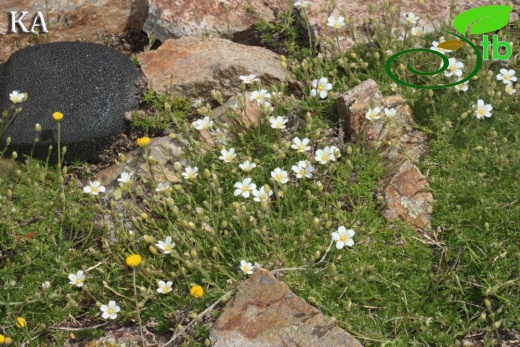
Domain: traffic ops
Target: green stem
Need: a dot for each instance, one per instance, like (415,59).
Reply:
(138,312)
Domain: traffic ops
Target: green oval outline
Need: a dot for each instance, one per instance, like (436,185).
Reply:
(444,66)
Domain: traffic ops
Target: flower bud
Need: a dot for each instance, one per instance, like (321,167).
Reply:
(149,239)
(153,250)
(37,127)
(482,317)
(14,155)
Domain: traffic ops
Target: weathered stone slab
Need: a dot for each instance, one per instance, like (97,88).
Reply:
(91,84)
(67,20)
(404,187)
(265,313)
(195,66)
(228,19)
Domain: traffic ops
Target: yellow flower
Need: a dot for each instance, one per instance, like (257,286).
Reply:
(2,339)
(8,341)
(20,322)
(197,291)
(143,141)
(133,260)
(57,116)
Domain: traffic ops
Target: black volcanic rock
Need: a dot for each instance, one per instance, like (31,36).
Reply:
(92,85)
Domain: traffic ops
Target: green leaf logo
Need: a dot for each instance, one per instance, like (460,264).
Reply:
(482,19)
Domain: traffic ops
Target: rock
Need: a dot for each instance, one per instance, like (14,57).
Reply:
(265,312)
(70,20)
(404,187)
(195,66)
(91,84)
(407,197)
(358,11)
(163,150)
(228,19)
(127,336)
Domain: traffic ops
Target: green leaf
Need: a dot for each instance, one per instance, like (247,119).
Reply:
(482,19)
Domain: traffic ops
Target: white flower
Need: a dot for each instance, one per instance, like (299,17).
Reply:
(203,124)
(167,245)
(162,186)
(336,153)
(372,114)
(411,18)
(509,89)
(301,145)
(244,188)
(249,79)
(111,310)
(507,76)
(301,4)
(47,284)
(94,188)
(482,110)
(304,168)
(16,97)
(323,156)
(280,175)
(321,87)
(343,237)
(261,195)
(393,86)
(190,173)
(126,178)
(462,87)
(78,279)
(441,50)
(261,97)
(164,287)
(246,267)
(336,23)
(247,166)
(390,113)
(278,122)
(417,31)
(227,156)
(454,68)
(197,103)
(220,136)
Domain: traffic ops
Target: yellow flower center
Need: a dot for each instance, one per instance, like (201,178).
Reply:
(111,311)
(94,189)
(321,87)
(245,188)
(343,238)
(167,248)
(79,281)
(229,158)
(279,177)
(506,77)
(302,171)
(165,289)
(246,268)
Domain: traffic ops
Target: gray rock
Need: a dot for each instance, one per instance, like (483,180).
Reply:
(92,85)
